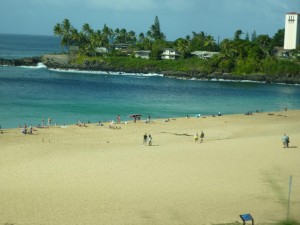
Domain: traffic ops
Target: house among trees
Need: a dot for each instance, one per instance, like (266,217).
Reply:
(169,53)
(121,46)
(204,54)
(144,54)
(102,50)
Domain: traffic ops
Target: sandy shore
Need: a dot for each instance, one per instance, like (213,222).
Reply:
(96,175)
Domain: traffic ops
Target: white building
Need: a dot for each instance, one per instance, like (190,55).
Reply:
(144,54)
(101,50)
(292,30)
(169,53)
(204,54)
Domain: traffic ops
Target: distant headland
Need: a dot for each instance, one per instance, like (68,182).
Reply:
(198,56)
(136,65)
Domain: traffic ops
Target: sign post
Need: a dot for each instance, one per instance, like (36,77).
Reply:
(247,217)
(289,198)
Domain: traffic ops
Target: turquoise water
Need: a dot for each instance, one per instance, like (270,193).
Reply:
(29,93)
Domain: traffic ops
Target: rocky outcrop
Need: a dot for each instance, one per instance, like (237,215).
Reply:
(64,62)
(28,61)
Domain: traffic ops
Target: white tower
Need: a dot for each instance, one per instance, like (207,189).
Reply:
(292,31)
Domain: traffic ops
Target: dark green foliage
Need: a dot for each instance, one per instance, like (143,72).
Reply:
(155,32)
(278,39)
(289,222)
(237,55)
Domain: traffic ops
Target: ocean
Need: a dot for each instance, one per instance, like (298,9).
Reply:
(28,94)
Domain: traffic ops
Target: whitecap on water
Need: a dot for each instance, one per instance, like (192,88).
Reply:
(38,66)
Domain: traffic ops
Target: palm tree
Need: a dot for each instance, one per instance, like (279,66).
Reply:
(64,30)
(57,30)
(87,29)
(183,46)
(141,37)
(67,32)
(237,34)
(264,41)
(96,40)
(197,41)
(123,35)
(209,42)
(227,49)
(75,37)
(107,34)
(116,34)
(147,44)
(131,37)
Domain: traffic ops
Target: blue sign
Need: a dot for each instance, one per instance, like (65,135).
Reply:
(246,217)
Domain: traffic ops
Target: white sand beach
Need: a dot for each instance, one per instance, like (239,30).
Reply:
(96,175)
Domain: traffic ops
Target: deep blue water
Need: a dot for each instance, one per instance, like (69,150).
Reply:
(27,94)
(19,46)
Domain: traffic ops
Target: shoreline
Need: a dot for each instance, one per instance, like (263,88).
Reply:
(209,78)
(131,121)
(60,62)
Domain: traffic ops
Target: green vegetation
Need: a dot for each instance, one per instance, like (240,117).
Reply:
(255,55)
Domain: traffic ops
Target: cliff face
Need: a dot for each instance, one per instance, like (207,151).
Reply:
(63,62)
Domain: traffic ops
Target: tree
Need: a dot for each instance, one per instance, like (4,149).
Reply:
(202,42)
(131,37)
(247,38)
(209,42)
(57,30)
(265,42)
(278,38)
(253,36)
(227,49)
(67,32)
(107,33)
(155,32)
(64,30)
(237,34)
(183,46)
(147,43)
(116,34)
(141,37)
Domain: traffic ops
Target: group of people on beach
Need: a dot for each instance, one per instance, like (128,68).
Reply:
(197,136)
(147,139)
(24,130)
(48,123)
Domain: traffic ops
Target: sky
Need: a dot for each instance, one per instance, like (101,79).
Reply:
(178,18)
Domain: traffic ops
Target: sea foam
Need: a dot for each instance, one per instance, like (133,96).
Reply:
(106,73)
(38,66)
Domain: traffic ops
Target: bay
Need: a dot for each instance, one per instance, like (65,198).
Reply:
(27,94)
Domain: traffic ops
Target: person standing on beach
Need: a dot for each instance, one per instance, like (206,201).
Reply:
(43,122)
(196,136)
(119,119)
(285,141)
(150,140)
(49,121)
(201,137)
(145,137)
